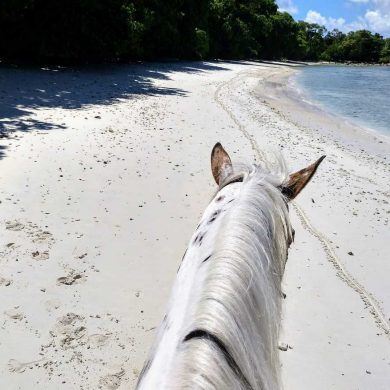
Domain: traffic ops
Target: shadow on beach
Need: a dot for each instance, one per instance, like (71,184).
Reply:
(24,90)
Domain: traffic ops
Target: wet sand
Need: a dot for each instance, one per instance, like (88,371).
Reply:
(104,174)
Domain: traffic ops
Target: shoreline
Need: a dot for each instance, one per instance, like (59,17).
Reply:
(299,94)
(282,95)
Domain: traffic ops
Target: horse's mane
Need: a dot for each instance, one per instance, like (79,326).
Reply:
(229,337)
(235,344)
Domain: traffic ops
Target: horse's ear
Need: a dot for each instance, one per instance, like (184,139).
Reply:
(220,161)
(298,180)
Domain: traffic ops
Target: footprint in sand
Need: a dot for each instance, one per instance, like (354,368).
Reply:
(71,278)
(70,331)
(29,233)
(14,225)
(112,381)
(98,340)
(40,255)
(74,338)
(14,314)
(5,282)
(69,319)
(19,367)
(41,236)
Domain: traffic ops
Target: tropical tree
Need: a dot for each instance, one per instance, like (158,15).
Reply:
(385,52)
(362,46)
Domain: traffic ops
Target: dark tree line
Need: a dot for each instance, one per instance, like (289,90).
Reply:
(113,30)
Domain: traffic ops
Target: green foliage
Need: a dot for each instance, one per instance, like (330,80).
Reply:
(282,41)
(333,52)
(362,46)
(239,29)
(67,30)
(311,40)
(110,30)
(385,52)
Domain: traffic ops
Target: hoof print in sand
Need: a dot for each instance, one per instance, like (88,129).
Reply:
(97,340)
(15,226)
(111,382)
(40,255)
(71,278)
(14,314)
(5,282)
(42,236)
(69,319)
(70,331)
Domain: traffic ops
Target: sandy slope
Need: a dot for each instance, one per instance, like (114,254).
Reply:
(102,185)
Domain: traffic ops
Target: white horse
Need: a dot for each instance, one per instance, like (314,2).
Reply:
(222,325)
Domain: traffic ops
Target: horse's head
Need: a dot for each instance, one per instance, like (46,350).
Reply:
(287,185)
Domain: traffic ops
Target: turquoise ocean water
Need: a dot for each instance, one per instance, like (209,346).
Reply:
(361,94)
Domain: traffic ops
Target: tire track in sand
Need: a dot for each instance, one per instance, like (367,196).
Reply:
(369,300)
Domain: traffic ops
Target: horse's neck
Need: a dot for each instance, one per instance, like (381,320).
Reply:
(186,291)
(222,324)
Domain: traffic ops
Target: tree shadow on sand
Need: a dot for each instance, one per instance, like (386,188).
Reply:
(25,90)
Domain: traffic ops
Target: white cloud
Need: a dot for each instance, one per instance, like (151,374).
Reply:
(359,24)
(378,21)
(287,6)
(338,23)
(383,5)
(315,17)
(376,17)
(329,23)
(375,20)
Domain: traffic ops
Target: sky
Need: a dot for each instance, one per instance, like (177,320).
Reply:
(346,15)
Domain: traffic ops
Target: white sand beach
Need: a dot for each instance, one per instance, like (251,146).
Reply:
(103,177)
